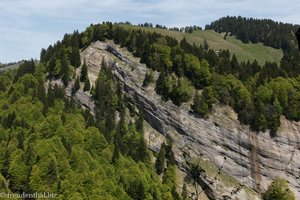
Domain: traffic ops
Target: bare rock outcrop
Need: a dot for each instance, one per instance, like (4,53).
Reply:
(235,159)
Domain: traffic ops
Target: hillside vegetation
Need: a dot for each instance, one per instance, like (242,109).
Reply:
(49,144)
(244,51)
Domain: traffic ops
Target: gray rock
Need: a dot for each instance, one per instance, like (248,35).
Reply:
(220,142)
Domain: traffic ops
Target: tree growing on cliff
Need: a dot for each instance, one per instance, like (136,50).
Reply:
(87,85)
(203,104)
(279,190)
(182,91)
(149,78)
(84,72)
(76,86)
(75,56)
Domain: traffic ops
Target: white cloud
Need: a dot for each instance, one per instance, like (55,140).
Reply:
(27,26)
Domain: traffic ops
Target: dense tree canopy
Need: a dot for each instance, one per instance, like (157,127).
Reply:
(48,144)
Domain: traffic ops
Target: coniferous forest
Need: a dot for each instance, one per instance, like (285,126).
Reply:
(49,143)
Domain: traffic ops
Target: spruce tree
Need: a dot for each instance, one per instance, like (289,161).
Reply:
(139,123)
(160,161)
(148,78)
(2,86)
(76,86)
(87,84)
(50,96)
(84,72)
(41,93)
(200,106)
(160,83)
(116,154)
(171,159)
(142,149)
(75,56)
(65,71)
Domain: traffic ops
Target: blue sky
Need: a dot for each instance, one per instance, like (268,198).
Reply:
(27,26)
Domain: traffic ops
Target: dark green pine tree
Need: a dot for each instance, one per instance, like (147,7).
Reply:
(52,175)
(20,138)
(116,154)
(234,65)
(87,84)
(164,85)
(75,56)
(259,122)
(41,93)
(51,67)
(109,124)
(50,96)
(160,83)
(84,72)
(76,86)
(171,159)
(200,106)
(160,161)
(148,78)
(65,70)
(274,116)
(142,149)
(2,86)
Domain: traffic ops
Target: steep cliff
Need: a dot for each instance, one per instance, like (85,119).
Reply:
(234,158)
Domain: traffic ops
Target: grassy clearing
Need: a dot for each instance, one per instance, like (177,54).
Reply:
(216,41)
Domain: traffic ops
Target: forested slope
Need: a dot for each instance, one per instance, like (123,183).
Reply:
(50,144)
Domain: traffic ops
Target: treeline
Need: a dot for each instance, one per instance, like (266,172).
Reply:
(184,66)
(59,58)
(186,29)
(49,144)
(270,33)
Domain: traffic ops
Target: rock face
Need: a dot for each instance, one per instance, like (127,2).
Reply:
(233,157)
